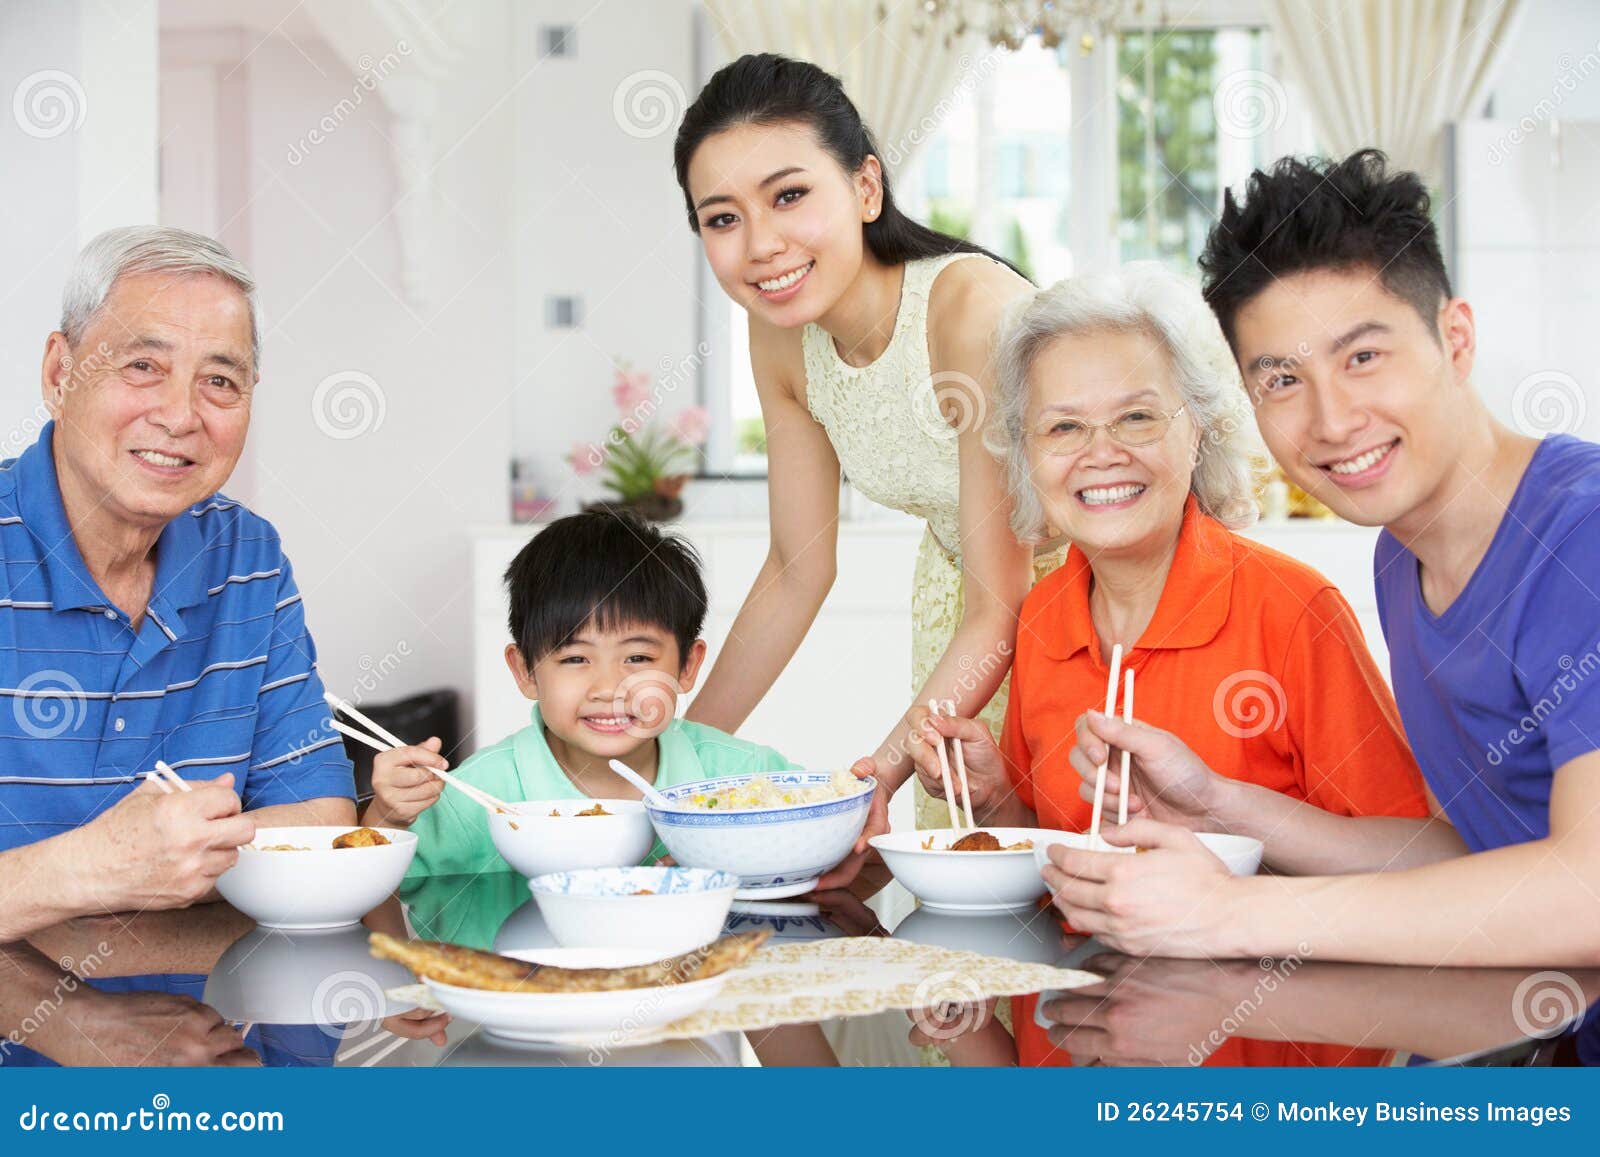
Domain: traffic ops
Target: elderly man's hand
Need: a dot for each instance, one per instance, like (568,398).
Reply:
(160,851)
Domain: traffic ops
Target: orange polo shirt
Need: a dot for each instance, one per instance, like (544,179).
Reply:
(1252,658)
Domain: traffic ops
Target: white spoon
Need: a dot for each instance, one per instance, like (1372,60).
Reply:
(638,781)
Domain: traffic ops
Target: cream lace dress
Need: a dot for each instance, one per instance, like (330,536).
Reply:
(898,449)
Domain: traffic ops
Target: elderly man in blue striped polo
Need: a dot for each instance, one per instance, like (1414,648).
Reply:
(144,615)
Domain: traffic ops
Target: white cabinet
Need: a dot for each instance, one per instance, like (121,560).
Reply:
(852,676)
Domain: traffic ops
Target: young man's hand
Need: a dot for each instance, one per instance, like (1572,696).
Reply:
(403,787)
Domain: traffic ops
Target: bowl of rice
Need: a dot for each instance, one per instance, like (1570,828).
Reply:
(777,831)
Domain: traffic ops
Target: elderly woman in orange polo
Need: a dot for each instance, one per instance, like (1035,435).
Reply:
(1124,428)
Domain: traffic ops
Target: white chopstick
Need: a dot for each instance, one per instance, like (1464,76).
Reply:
(1127,756)
(961,767)
(1100,773)
(349,709)
(167,779)
(389,742)
(944,770)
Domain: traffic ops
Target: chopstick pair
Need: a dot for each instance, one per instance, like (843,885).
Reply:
(383,740)
(167,779)
(1100,772)
(949,708)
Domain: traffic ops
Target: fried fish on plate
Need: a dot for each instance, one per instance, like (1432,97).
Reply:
(470,968)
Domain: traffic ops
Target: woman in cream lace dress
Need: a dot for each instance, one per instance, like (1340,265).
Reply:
(870,338)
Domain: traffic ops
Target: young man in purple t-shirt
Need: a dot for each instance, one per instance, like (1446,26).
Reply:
(1328,282)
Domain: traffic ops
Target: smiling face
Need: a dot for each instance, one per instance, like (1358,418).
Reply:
(607,692)
(781,222)
(1355,394)
(1109,497)
(153,402)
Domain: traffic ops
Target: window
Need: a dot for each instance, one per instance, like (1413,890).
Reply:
(1060,160)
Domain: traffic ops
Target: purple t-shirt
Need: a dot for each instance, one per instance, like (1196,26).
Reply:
(1504,687)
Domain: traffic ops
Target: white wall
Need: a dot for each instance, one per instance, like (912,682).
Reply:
(1554,37)
(598,215)
(375,522)
(80,157)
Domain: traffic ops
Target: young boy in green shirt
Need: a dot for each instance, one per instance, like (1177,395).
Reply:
(606,613)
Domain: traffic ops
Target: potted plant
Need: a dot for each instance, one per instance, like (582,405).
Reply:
(644,461)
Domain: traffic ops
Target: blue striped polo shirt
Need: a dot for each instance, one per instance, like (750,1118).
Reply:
(219,677)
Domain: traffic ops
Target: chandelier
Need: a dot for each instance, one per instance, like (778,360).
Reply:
(1009,23)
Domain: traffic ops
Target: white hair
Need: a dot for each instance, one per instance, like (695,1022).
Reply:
(148,249)
(1142,297)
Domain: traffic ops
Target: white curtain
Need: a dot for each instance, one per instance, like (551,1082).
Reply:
(895,68)
(1392,73)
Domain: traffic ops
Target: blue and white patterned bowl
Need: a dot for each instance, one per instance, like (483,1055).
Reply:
(785,847)
(678,908)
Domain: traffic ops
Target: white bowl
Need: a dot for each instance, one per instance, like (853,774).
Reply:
(601,907)
(535,842)
(611,1017)
(322,887)
(965,881)
(327,978)
(1240,854)
(776,851)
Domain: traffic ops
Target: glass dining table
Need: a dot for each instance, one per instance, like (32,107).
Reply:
(206,985)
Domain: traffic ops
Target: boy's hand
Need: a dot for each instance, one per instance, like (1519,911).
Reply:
(403,787)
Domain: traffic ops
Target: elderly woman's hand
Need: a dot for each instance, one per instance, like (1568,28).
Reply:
(1170,783)
(988,782)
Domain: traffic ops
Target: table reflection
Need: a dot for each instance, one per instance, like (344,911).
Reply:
(205,986)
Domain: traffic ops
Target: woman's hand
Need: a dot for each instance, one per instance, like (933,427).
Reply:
(1170,783)
(877,824)
(1173,899)
(967,1033)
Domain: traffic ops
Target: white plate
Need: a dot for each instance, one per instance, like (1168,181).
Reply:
(568,1017)
(778,891)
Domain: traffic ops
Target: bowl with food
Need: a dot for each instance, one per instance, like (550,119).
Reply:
(778,831)
(672,908)
(983,870)
(561,835)
(1241,855)
(316,877)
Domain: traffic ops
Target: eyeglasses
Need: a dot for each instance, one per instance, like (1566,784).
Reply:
(1137,427)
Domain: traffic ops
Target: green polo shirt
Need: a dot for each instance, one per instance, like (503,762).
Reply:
(453,835)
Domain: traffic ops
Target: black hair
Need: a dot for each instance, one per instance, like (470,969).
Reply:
(607,569)
(1322,214)
(766,89)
